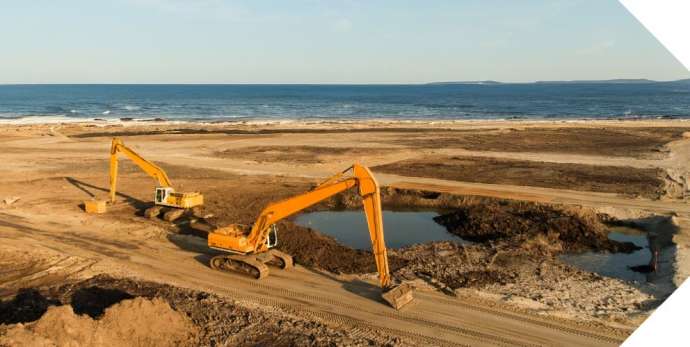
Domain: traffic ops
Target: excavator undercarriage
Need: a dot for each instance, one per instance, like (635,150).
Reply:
(254,265)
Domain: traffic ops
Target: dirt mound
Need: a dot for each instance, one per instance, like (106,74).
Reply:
(531,224)
(313,249)
(451,265)
(135,322)
(509,273)
(220,321)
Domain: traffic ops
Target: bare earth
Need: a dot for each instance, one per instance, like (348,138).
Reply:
(572,175)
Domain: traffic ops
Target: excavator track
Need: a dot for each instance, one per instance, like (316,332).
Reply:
(240,263)
(280,259)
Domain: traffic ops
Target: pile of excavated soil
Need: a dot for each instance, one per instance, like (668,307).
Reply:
(540,227)
(517,276)
(134,322)
(214,321)
(313,249)
(529,224)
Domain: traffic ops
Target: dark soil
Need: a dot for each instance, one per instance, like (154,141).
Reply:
(27,306)
(80,133)
(448,265)
(628,142)
(295,154)
(220,321)
(93,301)
(313,249)
(608,179)
(520,222)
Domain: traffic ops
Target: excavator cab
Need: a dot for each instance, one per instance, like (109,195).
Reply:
(272,239)
(162,194)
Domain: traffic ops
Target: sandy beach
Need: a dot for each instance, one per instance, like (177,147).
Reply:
(576,178)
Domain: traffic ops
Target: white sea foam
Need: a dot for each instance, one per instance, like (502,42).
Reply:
(28,120)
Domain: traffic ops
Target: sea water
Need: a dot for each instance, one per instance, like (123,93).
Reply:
(346,102)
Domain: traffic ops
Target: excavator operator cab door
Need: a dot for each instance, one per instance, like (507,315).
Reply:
(162,194)
(272,239)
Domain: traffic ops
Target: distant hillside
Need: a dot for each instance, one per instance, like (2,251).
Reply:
(611,81)
(465,82)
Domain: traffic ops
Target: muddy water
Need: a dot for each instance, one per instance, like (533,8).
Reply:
(401,228)
(616,265)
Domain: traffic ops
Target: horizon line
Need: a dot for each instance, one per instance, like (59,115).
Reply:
(639,80)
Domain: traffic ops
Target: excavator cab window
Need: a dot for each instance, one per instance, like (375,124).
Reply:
(272,237)
(160,195)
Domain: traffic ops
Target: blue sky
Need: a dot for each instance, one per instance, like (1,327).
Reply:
(319,41)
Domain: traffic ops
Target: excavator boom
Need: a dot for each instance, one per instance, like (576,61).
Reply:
(165,194)
(257,240)
(117,146)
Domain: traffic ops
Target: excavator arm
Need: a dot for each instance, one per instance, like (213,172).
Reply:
(368,190)
(150,168)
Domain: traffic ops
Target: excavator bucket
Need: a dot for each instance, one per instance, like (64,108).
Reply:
(398,296)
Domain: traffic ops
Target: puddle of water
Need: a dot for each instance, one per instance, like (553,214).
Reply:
(401,228)
(615,265)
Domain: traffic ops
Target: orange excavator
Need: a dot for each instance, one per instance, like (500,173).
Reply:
(251,247)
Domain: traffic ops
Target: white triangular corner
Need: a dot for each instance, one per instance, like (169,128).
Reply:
(668,325)
(668,21)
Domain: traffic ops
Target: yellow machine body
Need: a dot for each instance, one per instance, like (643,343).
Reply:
(165,194)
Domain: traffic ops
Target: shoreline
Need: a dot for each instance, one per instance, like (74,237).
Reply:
(433,122)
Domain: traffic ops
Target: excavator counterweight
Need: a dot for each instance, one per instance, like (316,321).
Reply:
(251,246)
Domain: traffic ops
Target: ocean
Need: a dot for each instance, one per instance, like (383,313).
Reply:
(27,103)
